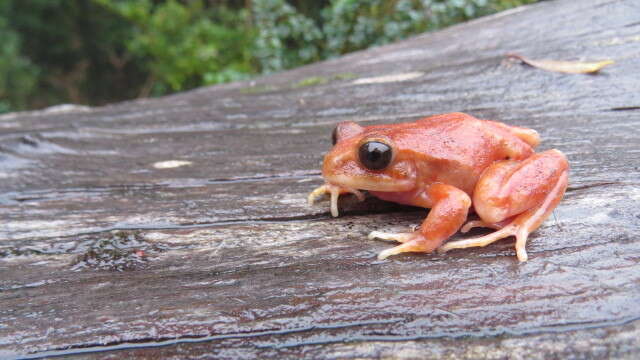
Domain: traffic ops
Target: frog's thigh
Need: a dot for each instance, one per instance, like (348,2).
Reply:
(528,190)
(510,188)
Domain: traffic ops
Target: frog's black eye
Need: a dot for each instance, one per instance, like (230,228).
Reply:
(334,135)
(375,155)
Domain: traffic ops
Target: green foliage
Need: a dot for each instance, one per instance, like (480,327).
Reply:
(353,25)
(185,45)
(99,51)
(78,50)
(357,24)
(18,76)
(285,38)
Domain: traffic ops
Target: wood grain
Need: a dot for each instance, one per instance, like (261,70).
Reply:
(106,254)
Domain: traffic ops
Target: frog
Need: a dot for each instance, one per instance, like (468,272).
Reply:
(453,164)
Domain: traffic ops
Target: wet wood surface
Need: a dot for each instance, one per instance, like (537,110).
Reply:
(178,227)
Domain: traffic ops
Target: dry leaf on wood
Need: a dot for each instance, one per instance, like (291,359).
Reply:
(571,67)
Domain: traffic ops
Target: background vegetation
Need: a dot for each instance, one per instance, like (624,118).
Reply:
(99,51)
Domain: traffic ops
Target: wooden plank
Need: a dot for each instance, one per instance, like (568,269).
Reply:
(105,252)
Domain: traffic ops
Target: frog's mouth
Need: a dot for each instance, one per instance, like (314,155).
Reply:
(400,178)
(344,174)
(372,182)
(348,173)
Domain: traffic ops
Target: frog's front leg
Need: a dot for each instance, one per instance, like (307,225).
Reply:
(449,208)
(516,197)
(335,191)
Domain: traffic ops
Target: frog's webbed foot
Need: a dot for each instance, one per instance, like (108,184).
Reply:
(335,191)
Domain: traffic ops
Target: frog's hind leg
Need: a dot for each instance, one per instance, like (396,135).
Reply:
(481,223)
(526,192)
(529,136)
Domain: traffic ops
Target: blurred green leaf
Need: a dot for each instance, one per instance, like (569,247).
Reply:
(183,46)
(18,76)
(100,51)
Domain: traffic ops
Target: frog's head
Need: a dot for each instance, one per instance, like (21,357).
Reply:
(367,159)
(363,159)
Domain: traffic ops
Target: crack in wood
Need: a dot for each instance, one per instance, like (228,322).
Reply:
(161,342)
(558,328)
(625,108)
(601,184)
(142,343)
(307,174)
(325,215)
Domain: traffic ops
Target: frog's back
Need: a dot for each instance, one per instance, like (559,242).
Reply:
(456,146)
(455,137)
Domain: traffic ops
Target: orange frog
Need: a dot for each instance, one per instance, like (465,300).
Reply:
(448,163)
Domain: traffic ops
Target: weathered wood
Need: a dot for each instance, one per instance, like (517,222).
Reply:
(222,258)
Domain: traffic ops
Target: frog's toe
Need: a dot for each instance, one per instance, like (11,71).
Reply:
(399,237)
(316,193)
(335,191)
(410,246)
(514,229)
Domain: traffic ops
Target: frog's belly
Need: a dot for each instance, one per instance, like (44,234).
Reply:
(412,198)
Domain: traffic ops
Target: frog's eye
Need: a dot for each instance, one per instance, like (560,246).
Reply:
(375,155)
(334,135)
